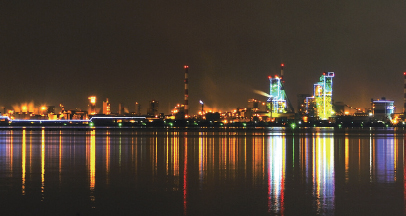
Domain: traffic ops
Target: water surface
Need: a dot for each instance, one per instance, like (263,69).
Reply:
(271,171)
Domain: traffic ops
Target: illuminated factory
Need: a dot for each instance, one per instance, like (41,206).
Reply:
(278,103)
(383,109)
(320,104)
(106,107)
(92,105)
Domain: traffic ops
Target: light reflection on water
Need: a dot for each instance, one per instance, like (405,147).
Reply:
(173,172)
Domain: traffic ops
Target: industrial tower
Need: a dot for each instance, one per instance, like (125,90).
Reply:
(186,92)
(278,101)
(323,93)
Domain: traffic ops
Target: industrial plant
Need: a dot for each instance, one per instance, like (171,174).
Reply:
(317,109)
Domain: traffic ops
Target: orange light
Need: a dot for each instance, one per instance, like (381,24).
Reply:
(92,100)
(305,119)
(282,65)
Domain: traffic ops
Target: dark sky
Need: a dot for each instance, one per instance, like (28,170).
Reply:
(64,51)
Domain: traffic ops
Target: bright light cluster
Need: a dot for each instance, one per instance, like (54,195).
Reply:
(277,96)
(323,92)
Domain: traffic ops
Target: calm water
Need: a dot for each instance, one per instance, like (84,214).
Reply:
(187,172)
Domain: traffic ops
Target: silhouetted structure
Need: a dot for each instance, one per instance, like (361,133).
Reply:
(153,108)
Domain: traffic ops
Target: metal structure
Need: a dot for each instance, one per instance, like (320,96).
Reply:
(323,93)
(277,102)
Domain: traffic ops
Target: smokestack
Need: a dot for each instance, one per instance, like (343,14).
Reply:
(282,65)
(404,94)
(186,92)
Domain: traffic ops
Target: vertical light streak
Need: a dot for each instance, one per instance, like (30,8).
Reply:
(30,152)
(11,153)
(92,165)
(404,173)
(263,157)
(371,150)
(167,154)
(107,157)
(301,157)
(245,155)
(257,158)
(293,152)
(347,159)
(135,154)
(225,152)
(60,157)
(23,162)
(395,158)
(185,176)
(314,168)
(324,185)
(175,150)
(156,154)
(359,159)
(384,160)
(119,151)
(232,157)
(276,175)
(42,164)
(201,158)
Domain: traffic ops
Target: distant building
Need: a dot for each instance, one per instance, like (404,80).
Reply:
(51,109)
(153,108)
(382,109)
(311,109)
(92,105)
(106,107)
(137,109)
(301,103)
(253,104)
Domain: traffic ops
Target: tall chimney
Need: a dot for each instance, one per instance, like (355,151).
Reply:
(282,65)
(404,94)
(186,92)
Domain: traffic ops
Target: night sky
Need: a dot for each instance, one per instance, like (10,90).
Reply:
(53,52)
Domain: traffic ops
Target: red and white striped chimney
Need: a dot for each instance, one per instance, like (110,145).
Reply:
(186,92)
(404,93)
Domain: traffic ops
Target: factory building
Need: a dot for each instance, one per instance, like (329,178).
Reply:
(153,108)
(106,107)
(278,103)
(382,109)
(137,109)
(256,105)
(92,105)
(320,105)
(301,104)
